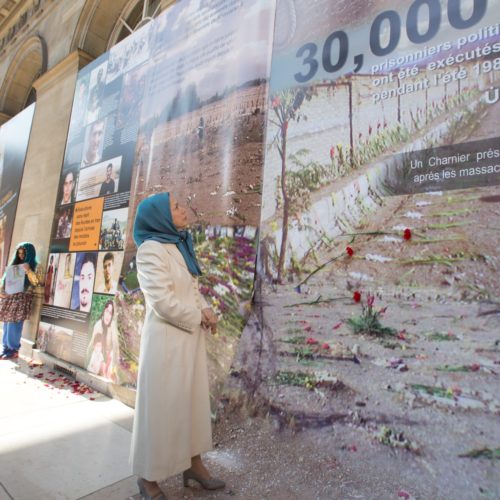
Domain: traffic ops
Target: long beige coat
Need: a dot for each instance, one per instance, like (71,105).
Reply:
(172,412)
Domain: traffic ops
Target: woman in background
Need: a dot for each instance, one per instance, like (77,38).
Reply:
(16,307)
(172,425)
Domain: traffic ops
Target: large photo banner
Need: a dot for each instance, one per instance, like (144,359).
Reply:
(178,106)
(14,138)
(378,303)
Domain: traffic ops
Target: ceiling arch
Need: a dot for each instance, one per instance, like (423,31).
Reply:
(103,24)
(29,63)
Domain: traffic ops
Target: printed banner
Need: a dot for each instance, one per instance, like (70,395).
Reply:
(379,266)
(14,137)
(178,106)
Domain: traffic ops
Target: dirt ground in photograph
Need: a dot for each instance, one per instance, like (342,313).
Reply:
(408,415)
(218,177)
(400,410)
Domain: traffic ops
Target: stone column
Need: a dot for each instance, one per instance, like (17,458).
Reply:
(4,117)
(42,169)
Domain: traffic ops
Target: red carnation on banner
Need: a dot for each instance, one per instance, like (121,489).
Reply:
(356,296)
(275,102)
(349,251)
(311,341)
(407,234)
(325,346)
(332,152)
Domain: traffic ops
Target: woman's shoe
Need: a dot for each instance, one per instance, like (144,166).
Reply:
(144,493)
(209,484)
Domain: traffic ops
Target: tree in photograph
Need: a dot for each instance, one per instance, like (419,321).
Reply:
(286,107)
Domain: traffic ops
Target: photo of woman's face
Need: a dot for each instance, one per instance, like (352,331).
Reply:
(108,314)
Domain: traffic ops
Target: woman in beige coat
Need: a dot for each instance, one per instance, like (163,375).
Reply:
(172,415)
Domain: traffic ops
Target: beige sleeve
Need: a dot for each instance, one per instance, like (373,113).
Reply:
(155,279)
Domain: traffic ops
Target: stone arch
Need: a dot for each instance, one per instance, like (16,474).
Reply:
(29,63)
(99,26)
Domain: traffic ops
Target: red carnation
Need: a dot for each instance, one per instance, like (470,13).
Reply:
(407,234)
(332,152)
(349,251)
(311,341)
(325,346)
(356,296)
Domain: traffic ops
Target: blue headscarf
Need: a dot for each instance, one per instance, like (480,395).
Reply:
(29,258)
(153,221)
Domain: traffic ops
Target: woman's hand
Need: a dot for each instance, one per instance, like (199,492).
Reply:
(209,320)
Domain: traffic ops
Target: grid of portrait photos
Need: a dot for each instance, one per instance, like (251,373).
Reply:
(91,215)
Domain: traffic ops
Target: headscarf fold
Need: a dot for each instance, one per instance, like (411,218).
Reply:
(153,221)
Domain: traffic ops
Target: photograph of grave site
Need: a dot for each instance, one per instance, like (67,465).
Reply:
(376,323)
(211,159)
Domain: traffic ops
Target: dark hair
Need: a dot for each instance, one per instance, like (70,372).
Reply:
(88,257)
(108,256)
(101,317)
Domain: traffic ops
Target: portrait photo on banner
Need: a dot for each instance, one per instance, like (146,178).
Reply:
(108,269)
(93,144)
(79,110)
(97,84)
(103,352)
(50,278)
(131,96)
(67,187)
(64,280)
(101,179)
(83,282)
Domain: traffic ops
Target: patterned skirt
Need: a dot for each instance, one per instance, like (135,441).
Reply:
(16,307)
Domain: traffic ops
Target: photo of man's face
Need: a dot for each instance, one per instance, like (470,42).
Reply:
(68,186)
(94,143)
(87,275)
(108,266)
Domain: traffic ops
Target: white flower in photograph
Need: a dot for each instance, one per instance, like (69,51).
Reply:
(377,258)
(413,215)
(400,227)
(220,289)
(360,276)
